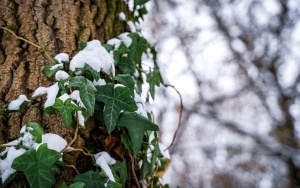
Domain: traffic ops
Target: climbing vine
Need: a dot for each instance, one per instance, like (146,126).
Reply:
(104,82)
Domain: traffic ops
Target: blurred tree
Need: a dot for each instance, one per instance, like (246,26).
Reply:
(237,65)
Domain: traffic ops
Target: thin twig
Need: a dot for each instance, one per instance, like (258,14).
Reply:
(7,145)
(41,48)
(133,171)
(180,116)
(73,140)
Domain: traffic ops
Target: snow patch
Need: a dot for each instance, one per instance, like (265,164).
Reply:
(15,104)
(103,159)
(62,57)
(124,37)
(94,55)
(122,16)
(54,141)
(5,165)
(61,75)
(100,82)
(51,93)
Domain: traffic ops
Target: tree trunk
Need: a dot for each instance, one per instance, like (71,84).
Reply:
(59,26)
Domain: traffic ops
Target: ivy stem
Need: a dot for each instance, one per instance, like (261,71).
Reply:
(72,166)
(180,116)
(7,145)
(41,48)
(80,150)
(73,140)
(133,171)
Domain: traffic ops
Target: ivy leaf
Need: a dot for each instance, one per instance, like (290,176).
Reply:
(66,110)
(153,78)
(82,45)
(121,169)
(116,100)
(36,131)
(127,81)
(50,70)
(126,65)
(94,179)
(140,2)
(36,166)
(77,185)
(136,125)
(86,91)
(137,47)
(118,53)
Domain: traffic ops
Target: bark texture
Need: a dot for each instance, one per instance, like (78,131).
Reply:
(58,25)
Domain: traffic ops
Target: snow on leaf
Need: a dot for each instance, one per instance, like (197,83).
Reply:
(50,70)
(136,126)
(116,100)
(36,166)
(66,110)
(62,57)
(17,104)
(86,91)
(103,159)
(36,130)
(96,57)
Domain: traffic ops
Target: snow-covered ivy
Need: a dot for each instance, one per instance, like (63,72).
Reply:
(102,81)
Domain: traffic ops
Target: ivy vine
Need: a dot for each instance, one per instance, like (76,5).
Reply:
(102,81)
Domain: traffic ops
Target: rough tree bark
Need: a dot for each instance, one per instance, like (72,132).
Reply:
(58,25)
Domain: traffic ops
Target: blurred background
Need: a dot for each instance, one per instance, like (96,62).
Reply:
(236,64)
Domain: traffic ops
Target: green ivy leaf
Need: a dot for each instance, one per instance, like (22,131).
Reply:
(121,169)
(50,70)
(36,131)
(77,185)
(82,45)
(138,46)
(140,2)
(145,169)
(66,110)
(136,125)
(86,91)
(118,53)
(36,166)
(153,78)
(126,65)
(127,81)
(116,100)
(94,179)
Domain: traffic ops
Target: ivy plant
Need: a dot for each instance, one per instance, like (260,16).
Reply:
(102,81)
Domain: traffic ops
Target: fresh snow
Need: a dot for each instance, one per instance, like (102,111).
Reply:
(5,164)
(122,16)
(114,42)
(131,26)
(15,104)
(62,57)
(56,66)
(96,57)
(100,82)
(61,75)
(80,118)
(75,96)
(124,37)
(51,93)
(103,159)
(54,141)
